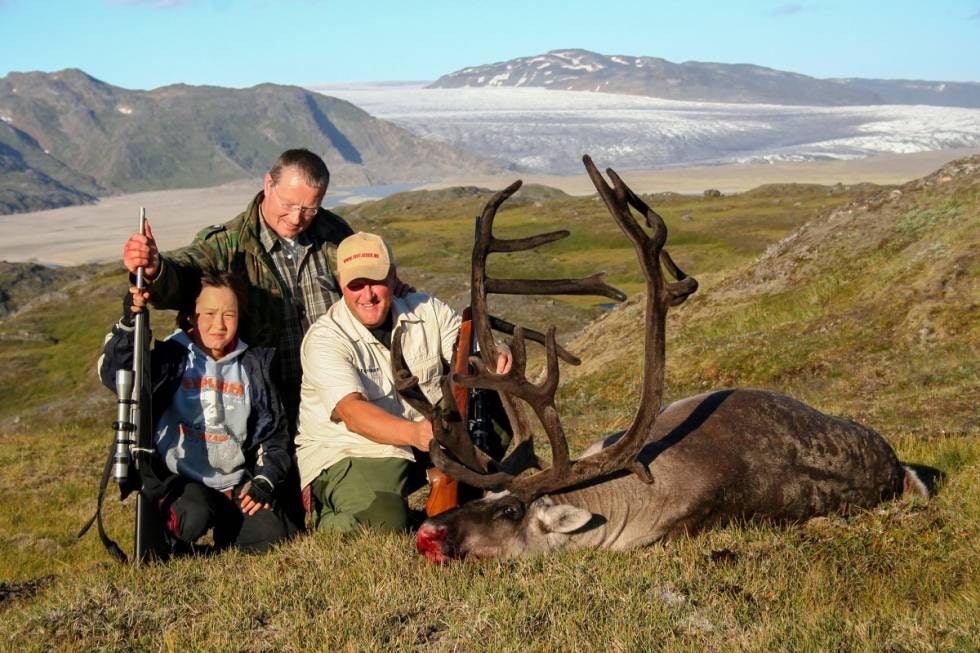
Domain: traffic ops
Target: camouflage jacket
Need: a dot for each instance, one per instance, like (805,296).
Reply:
(235,246)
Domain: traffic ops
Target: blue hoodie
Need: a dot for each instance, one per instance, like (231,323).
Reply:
(191,388)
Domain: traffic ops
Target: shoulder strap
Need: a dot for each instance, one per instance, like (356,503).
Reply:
(109,544)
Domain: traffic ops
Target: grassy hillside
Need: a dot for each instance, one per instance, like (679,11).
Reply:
(861,301)
(433,232)
(871,310)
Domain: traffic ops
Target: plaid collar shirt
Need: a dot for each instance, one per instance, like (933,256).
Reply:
(306,274)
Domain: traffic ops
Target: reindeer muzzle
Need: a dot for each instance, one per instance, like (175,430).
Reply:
(432,542)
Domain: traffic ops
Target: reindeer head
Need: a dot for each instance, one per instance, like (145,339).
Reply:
(521,516)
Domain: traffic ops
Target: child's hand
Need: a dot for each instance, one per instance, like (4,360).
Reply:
(256,495)
(133,302)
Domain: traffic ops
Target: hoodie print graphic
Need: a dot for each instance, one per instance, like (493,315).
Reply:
(201,435)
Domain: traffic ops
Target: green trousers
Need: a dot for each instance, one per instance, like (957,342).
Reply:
(358,493)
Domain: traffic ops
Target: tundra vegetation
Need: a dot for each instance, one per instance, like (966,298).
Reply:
(861,301)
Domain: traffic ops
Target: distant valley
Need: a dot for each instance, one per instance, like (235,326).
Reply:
(66,138)
(543,111)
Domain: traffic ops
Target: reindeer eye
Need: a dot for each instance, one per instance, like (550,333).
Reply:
(510,512)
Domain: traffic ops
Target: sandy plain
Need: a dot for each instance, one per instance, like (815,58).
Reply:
(82,234)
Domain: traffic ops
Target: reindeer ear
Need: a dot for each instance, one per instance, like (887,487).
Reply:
(562,518)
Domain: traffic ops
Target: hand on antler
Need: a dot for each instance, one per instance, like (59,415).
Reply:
(505,359)
(423,434)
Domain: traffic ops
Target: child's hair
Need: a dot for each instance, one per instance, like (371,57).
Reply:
(185,315)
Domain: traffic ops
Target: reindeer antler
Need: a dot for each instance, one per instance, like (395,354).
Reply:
(457,456)
(481,285)
(446,422)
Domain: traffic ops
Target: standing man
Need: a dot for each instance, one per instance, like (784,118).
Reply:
(360,445)
(283,244)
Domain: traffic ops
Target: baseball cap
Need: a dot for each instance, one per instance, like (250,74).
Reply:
(363,256)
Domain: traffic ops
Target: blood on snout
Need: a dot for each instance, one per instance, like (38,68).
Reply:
(428,542)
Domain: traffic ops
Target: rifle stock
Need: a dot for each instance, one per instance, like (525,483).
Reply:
(461,361)
(443,492)
(443,489)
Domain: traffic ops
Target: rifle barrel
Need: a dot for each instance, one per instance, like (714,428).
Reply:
(141,328)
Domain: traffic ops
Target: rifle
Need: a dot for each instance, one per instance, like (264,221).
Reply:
(444,490)
(472,404)
(149,533)
(132,445)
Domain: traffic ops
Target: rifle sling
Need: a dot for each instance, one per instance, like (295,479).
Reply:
(108,543)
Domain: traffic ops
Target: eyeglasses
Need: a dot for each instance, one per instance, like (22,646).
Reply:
(306,211)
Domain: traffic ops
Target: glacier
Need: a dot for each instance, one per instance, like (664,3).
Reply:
(542,131)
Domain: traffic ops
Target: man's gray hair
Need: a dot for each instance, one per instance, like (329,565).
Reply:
(311,166)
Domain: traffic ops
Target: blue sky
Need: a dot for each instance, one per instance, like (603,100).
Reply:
(151,43)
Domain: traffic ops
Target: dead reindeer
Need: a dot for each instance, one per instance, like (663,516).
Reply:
(718,457)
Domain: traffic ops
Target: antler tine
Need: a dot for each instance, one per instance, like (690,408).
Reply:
(547,412)
(456,442)
(616,204)
(649,249)
(482,248)
(592,285)
(626,197)
(522,455)
(685,285)
(404,379)
(460,472)
(509,327)
(486,238)
(448,431)
(635,200)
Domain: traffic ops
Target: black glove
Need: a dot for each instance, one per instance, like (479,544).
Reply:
(128,316)
(259,490)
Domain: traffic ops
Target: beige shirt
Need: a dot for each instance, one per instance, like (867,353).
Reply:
(340,356)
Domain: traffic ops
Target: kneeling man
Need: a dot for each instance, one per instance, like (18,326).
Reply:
(361,446)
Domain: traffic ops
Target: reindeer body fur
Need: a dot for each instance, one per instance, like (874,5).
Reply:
(715,458)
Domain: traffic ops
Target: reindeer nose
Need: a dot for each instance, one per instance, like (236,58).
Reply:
(429,543)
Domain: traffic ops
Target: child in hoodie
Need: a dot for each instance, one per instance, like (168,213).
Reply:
(219,429)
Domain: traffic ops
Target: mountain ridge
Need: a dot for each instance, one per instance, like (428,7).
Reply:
(97,139)
(583,70)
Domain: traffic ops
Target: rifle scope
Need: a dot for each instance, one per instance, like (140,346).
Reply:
(123,426)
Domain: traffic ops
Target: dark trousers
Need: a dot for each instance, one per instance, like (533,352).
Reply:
(193,508)
(289,493)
